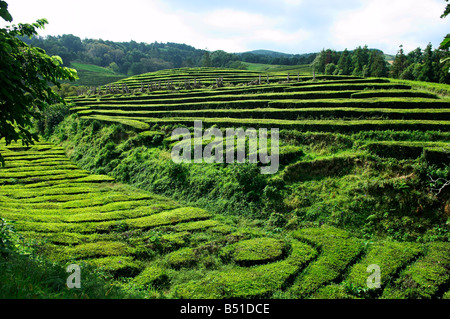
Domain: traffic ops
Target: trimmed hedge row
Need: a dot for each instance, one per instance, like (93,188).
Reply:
(384,103)
(196,93)
(381,103)
(151,276)
(391,257)
(128,122)
(40,179)
(306,170)
(253,282)
(351,86)
(427,278)
(225,97)
(392,93)
(435,152)
(88,179)
(170,217)
(340,126)
(338,250)
(288,114)
(118,266)
(255,251)
(309,125)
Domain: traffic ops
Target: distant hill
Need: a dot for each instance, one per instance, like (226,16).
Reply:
(269,53)
(99,62)
(276,58)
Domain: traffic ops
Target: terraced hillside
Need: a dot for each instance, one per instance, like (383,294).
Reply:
(153,242)
(333,104)
(360,184)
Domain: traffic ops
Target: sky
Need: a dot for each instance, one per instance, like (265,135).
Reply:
(289,26)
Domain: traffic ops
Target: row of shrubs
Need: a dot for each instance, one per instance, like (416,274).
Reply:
(340,126)
(287,114)
(305,91)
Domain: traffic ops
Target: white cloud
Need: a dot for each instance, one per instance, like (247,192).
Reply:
(244,31)
(386,24)
(139,20)
(294,26)
(232,20)
(282,37)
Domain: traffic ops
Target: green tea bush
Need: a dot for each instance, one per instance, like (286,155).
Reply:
(426,277)
(391,257)
(152,276)
(256,251)
(185,257)
(117,266)
(253,282)
(338,249)
(51,117)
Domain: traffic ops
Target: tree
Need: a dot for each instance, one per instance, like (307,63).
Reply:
(377,64)
(360,60)
(399,64)
(447,11)
(412,72)
(25,75)
(427,73)
(345,63)
(206,60)
(324,58)
(72,43)
(415,56)
(445,45)
(330,68)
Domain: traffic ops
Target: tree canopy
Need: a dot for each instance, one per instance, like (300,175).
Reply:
(445,45)
(26,74)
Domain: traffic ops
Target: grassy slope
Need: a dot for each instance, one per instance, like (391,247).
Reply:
(93,75)
(277,68)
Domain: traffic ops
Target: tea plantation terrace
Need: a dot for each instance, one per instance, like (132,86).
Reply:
(150,240)
(328,103)
(164,249)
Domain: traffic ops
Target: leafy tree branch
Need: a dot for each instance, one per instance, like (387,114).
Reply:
(25,75)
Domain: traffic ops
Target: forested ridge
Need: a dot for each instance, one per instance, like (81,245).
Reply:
(133,58)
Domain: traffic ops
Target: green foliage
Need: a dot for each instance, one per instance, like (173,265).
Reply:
(336,291)
(175,216)
(10,240)
(51,117)
(94,250)
(256,251)
(338,249)
(239,234)
(425,277)
(254,282)
(24,89)
(23,277)
(118,266)
(391,257)
(152,275)
(184,257)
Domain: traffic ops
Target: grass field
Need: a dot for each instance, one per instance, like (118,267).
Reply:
(93,75)
(277,68)
(361,164)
